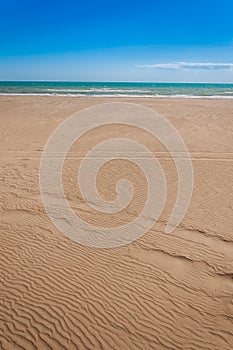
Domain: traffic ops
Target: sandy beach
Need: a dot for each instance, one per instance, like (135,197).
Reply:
(159,292)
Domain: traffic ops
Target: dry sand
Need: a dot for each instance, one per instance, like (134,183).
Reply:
(160,292)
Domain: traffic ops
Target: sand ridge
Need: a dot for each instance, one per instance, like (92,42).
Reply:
(160,292)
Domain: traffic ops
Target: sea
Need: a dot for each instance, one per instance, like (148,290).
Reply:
(117,89)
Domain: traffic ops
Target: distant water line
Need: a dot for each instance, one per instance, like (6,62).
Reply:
(117,89)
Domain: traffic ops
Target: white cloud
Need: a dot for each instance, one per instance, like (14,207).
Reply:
(187,65)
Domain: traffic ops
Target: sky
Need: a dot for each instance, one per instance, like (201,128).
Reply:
(123,40)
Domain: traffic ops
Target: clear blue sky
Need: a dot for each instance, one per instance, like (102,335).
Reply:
(109,40)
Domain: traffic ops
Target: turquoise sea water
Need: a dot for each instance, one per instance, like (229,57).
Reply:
(129,89)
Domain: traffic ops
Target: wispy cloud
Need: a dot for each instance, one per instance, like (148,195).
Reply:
(187,65)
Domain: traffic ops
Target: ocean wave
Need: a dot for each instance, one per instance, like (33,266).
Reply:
(178,96)
(87,90)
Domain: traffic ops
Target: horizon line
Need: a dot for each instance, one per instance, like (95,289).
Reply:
(114,81)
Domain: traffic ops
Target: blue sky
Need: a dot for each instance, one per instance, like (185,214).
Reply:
(123,40)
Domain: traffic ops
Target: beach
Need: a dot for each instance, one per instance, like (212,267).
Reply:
(162,291)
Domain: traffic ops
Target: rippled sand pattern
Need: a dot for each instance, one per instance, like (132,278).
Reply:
(160,292)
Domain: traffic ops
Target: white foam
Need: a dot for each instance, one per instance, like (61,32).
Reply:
(180,96)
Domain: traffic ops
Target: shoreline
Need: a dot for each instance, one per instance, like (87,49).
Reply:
(210,97)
